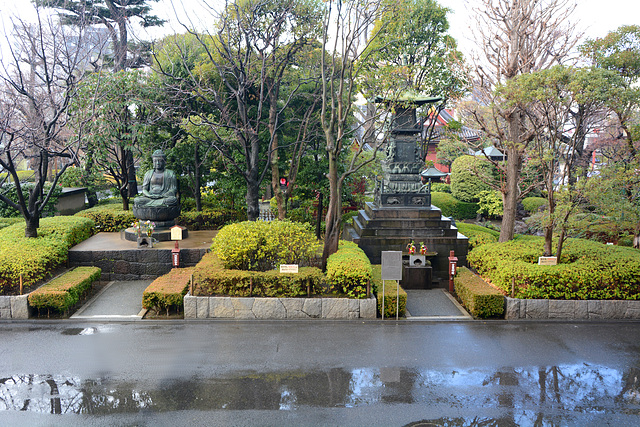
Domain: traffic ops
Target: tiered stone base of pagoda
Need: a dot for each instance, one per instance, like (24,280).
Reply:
(376,229)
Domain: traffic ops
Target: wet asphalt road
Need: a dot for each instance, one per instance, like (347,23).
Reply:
(319,373)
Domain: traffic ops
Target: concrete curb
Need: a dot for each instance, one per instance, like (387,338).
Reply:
(544,309)
(278,308)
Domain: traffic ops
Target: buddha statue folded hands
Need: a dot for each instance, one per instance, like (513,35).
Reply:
(160,185)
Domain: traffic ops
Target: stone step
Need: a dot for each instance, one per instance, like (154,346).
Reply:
(402,212)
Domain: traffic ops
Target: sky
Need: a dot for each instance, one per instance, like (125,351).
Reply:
(595,17)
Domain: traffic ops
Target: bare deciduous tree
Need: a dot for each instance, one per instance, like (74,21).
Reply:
(516,37)
(38,84)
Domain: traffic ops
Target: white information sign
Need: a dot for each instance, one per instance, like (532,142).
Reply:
(289,268)
(547,260)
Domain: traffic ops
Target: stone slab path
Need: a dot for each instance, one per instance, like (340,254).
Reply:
(434,304)
(117,301)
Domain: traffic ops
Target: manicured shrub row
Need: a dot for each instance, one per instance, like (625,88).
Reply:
(35,257)
(261,246)
(168,291)
(477,234)
(587,269)
(211,278)
(391,293)
(209,219)
(450,206)
(480,299)
(23,176)
(5,222)
(533,204)
(64,291)
(109,218)
(349,270)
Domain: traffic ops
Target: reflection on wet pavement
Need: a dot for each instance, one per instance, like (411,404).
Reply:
(546,395)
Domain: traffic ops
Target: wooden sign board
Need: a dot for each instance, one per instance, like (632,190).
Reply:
(289,268)
(547,260)
(176,233)
(391,265)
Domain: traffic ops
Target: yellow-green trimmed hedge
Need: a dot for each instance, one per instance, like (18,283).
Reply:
(481,299)
(587,269)
(109,218)
(168,291)
(391,293)
(212,279)
(477,234)
(261,245)
(65,291)
(34,258)
(5,222)
(349,270)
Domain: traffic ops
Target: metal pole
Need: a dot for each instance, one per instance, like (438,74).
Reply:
(397,298)
(382,299)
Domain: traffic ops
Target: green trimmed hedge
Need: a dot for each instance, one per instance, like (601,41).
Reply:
(587,269)
(5,222)
(23,176)
(391,293)
(109,218)
(211,278)
(261,245)
(532,204)
(477,234)
(450,206)
(34,258)
(209,219)
(168,291)
(481,299)
(64,291)
(349,271)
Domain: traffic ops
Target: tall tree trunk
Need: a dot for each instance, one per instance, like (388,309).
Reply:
(132,182)
(551,208)
(510,194)
(31,226)
(196,193)
(275,180)
(319,214)
(334,210)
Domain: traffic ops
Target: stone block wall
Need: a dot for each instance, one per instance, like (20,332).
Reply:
(571,310)
(278,308)
(134,264)
(14,307)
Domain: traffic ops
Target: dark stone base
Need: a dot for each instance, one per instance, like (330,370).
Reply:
(376,229)
(134,264)
(416,278)
(161,235)
(161,216)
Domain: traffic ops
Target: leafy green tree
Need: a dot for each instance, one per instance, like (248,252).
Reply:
(116,115)
(238,80)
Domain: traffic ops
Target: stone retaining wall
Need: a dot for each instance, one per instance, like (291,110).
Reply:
(134,264)
(278,308)
(14,307)
(571,310)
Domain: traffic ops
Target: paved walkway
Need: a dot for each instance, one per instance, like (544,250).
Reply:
(117,301)
(434,304)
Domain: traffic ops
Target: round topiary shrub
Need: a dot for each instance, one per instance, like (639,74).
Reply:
(466,184)
(260,245)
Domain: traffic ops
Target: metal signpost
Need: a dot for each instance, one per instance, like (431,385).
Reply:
(392,270)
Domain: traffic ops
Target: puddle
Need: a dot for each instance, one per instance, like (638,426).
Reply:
(526,396)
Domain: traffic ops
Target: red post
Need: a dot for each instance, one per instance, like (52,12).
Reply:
(175,256)
(452,269)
